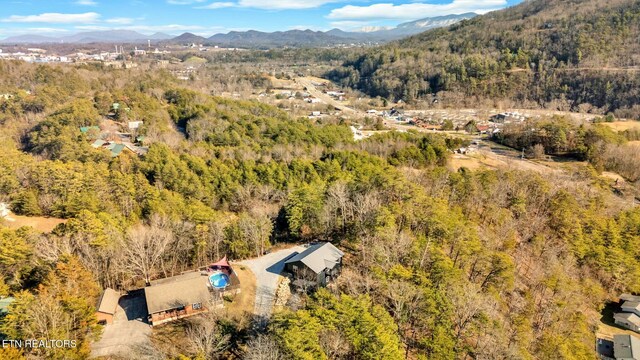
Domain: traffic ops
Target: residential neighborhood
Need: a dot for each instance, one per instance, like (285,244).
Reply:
(204,290)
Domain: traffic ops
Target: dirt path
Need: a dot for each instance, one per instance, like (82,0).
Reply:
(311,89)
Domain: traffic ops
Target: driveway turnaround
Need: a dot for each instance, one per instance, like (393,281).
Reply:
(129,330)
(267,270)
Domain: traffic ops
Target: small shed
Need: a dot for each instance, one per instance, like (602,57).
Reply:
(107,306)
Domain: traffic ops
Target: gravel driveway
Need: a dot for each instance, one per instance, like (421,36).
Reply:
(128,331)
(267,269)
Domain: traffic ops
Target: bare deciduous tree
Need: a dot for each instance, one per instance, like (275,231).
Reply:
(207,338)
(144,249)
(263,347)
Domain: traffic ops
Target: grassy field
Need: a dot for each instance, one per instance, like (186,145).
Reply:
(243,303)
(42,224)
(623,125)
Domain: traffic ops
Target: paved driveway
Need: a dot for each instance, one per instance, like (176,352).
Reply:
(128,331)
(267,269)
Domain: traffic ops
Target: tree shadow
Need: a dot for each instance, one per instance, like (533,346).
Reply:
(610,308)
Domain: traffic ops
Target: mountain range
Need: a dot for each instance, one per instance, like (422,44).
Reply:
(110,36)
(255,39)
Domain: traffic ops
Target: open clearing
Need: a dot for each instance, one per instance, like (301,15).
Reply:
(243,303)
(42,224)
(623,125)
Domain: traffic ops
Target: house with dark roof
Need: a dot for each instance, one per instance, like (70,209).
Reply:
(316,266)
(626,347)
(107,306)
(190,293)
(178,297)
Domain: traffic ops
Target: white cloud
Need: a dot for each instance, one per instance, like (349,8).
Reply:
(86,2)
(54,18)
(219,5)
(266,4)
(184,2)
(120,21)
(285,4)
(415,10)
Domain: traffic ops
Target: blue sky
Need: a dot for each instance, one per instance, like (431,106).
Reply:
(208,17)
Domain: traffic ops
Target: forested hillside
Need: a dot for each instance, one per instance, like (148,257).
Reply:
(439,264)
(557,54)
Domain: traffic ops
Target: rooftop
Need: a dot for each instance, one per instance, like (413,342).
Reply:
(626,347)
(109,301)
(631,305)
(629,297)
(177,291)
(631,318)
(319,257)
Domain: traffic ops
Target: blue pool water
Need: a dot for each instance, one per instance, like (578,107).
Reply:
(219,280)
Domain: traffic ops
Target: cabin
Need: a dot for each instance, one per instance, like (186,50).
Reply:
(107,306)
(177,297)
(316,266)
(191,293)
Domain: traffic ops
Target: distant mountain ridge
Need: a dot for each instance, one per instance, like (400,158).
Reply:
(257,39)
(253,38)
(120,36)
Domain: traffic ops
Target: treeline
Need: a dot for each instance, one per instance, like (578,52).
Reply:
(539,54)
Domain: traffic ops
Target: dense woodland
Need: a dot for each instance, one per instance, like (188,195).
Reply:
(440,264)
(557,54)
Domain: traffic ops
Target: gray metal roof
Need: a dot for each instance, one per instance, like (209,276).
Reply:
(626,347)
(177,291)
(319,257)
(109,301)
(628,317)
(629,297)
(631,305)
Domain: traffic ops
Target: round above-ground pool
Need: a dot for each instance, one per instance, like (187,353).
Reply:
(219,280)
